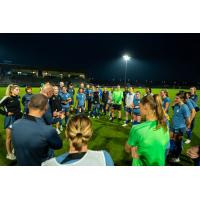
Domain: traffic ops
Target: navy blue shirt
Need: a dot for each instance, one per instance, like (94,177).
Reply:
(48,116)
(32,140)
(25,100)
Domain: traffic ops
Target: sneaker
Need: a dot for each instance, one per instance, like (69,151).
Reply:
(110,118)
(93,117)
(11,156)
(61,128)
(88,116)
(58,131)
(131,120)
(175,160)
(125,125)
(98,117)
(187,141)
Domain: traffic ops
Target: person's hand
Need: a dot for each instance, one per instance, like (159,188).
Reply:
(134,152)
(193,152)
(10,113)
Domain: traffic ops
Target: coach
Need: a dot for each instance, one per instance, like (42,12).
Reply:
(32,138)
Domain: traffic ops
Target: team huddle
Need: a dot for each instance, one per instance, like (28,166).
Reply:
(31,137)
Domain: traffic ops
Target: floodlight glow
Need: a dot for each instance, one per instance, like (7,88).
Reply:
(126,57)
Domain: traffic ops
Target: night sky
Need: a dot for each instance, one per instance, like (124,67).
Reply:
(154,56)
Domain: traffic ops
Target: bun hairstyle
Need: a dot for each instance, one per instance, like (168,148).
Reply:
(79,131)
(155,104)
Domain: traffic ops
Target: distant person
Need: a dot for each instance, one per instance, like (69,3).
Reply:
(47,90)
(148,141)
(148,91)
(65,100)
(56,108)
(129,105)
(165,104)
(180,123)
(89,94)
(194,96)
(61,85)
(80,101)
(105,96)
(79,132)
(136,109)
(117,97)
(125,92)
(32,138)
(26,98)
(12,111)
(191,105)
(96,104)
(71,91)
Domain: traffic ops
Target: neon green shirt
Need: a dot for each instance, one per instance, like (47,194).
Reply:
(151,144)
(117,97)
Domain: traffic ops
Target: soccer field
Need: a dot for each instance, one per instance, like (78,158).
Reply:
(107,136)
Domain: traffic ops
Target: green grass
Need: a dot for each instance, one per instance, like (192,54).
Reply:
(108,136)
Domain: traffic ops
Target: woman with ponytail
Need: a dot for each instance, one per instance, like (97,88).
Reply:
(79,132)
(12,111)
(149,140)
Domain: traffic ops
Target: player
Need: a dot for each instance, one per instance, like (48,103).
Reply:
(191,105)
(194,96)
(65,100)
(165,103)
(117,103)
(136,109)
(96,104)
(129,105)
(80,101)
(12,111)
(26,98)
(71,91)
(148,141)
(148,91)
(180,121)
(89,94)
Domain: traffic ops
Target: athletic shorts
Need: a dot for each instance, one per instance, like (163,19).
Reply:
(136,112)
(129,110)
(116,107)
(182,131)
(8,121)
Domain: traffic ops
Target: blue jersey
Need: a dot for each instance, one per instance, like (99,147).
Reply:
(194,98)
(100,93)
(181,114)
(25,100)
(164,101)
(190,105)
(136,103)
(64,98)
(88,93)
(80,97)
(71,92)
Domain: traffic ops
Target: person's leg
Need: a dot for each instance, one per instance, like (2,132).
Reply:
(98,110)
(178,144)
(8,141)
(138,118)
(66,117)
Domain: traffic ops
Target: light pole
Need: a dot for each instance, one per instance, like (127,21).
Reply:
(126,58)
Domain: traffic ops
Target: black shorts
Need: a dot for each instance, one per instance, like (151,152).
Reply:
(116,107)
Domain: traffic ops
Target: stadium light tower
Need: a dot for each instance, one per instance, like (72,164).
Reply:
(126,58)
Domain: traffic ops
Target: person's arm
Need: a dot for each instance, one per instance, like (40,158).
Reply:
(54,140)
(3,102)
(23,100)
(166,106)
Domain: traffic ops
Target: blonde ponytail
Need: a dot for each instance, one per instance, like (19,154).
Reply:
(79,131)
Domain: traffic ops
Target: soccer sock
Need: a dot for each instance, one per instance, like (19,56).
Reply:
(189,134)
(126,121)
(66,119)
(172,146)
